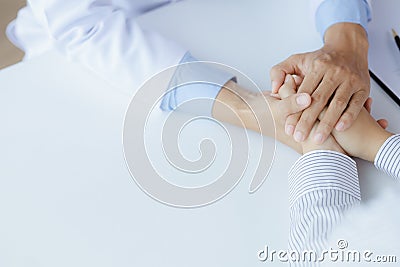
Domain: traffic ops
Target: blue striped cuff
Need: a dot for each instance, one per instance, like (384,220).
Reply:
(331,12)
(388,157)
(322,169)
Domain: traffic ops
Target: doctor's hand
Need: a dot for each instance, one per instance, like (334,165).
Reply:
(288,89)
(335,76)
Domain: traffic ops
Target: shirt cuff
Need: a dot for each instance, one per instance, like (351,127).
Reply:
(194,80)
(331,12)
(388,157)
(320,170)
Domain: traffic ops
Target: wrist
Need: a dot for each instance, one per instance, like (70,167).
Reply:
(377,142)
(231,105)
(243,108)
(347,37)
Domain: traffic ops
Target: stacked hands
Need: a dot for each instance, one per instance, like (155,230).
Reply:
(323,106)
(362,139)
(352,141)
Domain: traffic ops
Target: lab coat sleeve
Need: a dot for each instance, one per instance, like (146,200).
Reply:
(106,39)
(328,12)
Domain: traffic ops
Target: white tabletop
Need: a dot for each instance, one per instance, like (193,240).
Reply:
(66,196)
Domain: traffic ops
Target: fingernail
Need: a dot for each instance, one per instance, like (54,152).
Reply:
(287,78)
(340,126)
(289,129)
(318,138)
(298,136)
(302,100)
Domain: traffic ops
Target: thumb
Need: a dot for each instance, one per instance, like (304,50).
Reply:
(279,71)
(288,88)
(294,103)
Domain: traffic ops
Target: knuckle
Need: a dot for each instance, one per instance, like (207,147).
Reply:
(330,80)
(355,81)
(354,78)
(293,118)
(341,72)
(323,60)
(276,67)
(358,100)
(306,119)
(327,125)
(348,117)
(339,103)
(344,69)
(319,99)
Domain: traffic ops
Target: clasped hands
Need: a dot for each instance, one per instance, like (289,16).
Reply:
(325,105)
(362,139)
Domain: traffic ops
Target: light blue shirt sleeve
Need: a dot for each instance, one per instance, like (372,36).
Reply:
(193,82)
(331,12)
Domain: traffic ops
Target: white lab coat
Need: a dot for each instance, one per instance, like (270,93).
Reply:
(101,34)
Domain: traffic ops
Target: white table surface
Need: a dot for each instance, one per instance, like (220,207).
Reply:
(66,196)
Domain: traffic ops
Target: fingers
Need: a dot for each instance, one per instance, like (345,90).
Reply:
(354,107)
(310,82)
(277,78)
(291,122)
(298,80)
(279,71)
(300,132)
(332,115)
(294,103)
(288,88)
(308,118)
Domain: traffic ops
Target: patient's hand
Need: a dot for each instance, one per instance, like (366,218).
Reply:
(364,138)
(260,112)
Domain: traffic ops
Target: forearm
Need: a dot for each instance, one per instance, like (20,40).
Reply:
(243,108)
(259,111)
(364,138)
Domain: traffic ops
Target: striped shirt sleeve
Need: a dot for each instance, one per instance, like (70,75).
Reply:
(388,157)
(323,185)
